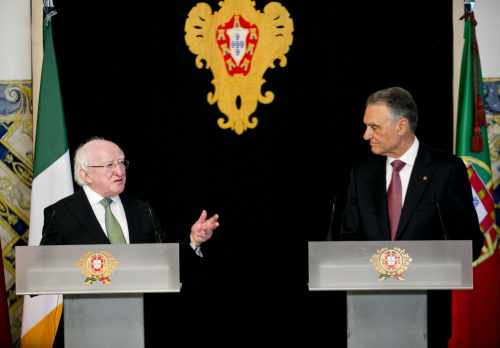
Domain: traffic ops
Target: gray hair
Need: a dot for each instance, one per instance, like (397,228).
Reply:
(81,160)
(400,103)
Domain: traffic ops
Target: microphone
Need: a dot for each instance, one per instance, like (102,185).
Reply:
(443,227)
(329,233)
(156,225)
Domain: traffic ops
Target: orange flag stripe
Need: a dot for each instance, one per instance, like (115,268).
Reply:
(43,334)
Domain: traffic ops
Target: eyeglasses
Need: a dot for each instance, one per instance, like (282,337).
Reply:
(110,166)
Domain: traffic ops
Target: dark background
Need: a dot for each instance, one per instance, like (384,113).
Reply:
(127,75)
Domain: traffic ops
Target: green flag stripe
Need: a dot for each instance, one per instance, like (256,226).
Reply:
(51,142)
(467,99)
(465,107)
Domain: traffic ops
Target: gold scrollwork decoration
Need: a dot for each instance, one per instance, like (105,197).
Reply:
(5,212)
(14,194)
(23,172)
(239,43)
(20,94)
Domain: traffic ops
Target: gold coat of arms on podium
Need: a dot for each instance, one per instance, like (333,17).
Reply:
(97,266)
(239,43)
(391,263)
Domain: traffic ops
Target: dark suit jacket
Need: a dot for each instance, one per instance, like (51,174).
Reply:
(438,205)
(72,221)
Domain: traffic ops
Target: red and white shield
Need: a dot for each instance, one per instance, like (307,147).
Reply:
(237,40)
(97,263)
(237,43)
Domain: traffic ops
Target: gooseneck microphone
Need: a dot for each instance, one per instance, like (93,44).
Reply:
(441,221)
(156,225)
(329,233)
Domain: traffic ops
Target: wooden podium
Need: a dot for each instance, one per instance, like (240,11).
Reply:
(103,287)
(387,283)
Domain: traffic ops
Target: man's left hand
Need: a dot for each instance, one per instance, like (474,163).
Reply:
(203,228)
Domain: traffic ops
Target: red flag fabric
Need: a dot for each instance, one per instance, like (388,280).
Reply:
(476,313)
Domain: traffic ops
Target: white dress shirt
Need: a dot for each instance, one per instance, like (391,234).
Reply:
(99,211)
(409,159)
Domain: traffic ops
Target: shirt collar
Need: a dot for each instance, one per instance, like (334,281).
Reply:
(95,198)
(409,156)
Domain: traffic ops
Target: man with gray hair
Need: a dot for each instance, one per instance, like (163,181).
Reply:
(99,214)
(409,191)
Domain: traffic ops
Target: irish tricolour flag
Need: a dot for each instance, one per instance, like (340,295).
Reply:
(51,182)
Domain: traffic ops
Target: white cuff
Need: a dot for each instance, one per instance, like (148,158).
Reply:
(197,250)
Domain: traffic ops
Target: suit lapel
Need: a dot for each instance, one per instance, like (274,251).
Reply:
(83,211)
(132,218)
(419,181)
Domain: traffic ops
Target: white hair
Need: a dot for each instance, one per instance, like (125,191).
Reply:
(81,161)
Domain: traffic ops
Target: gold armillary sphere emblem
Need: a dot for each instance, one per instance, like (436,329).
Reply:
(239,43)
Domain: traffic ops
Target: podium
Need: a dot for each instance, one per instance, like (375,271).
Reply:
(103,287)
(387,283)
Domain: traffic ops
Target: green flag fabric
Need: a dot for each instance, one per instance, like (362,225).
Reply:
(476,313)
(51,129)
(51,182)
(472,134)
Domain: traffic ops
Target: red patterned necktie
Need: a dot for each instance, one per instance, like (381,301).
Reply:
(394,197)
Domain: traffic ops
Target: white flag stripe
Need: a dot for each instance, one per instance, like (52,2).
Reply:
(48,187)
(36,308)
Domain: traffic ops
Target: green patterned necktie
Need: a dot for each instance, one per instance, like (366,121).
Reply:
(115,234)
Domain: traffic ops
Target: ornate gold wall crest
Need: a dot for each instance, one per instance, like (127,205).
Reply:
(239,43)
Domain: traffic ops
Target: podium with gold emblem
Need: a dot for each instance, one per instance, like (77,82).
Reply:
(387,283)
(103,287)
